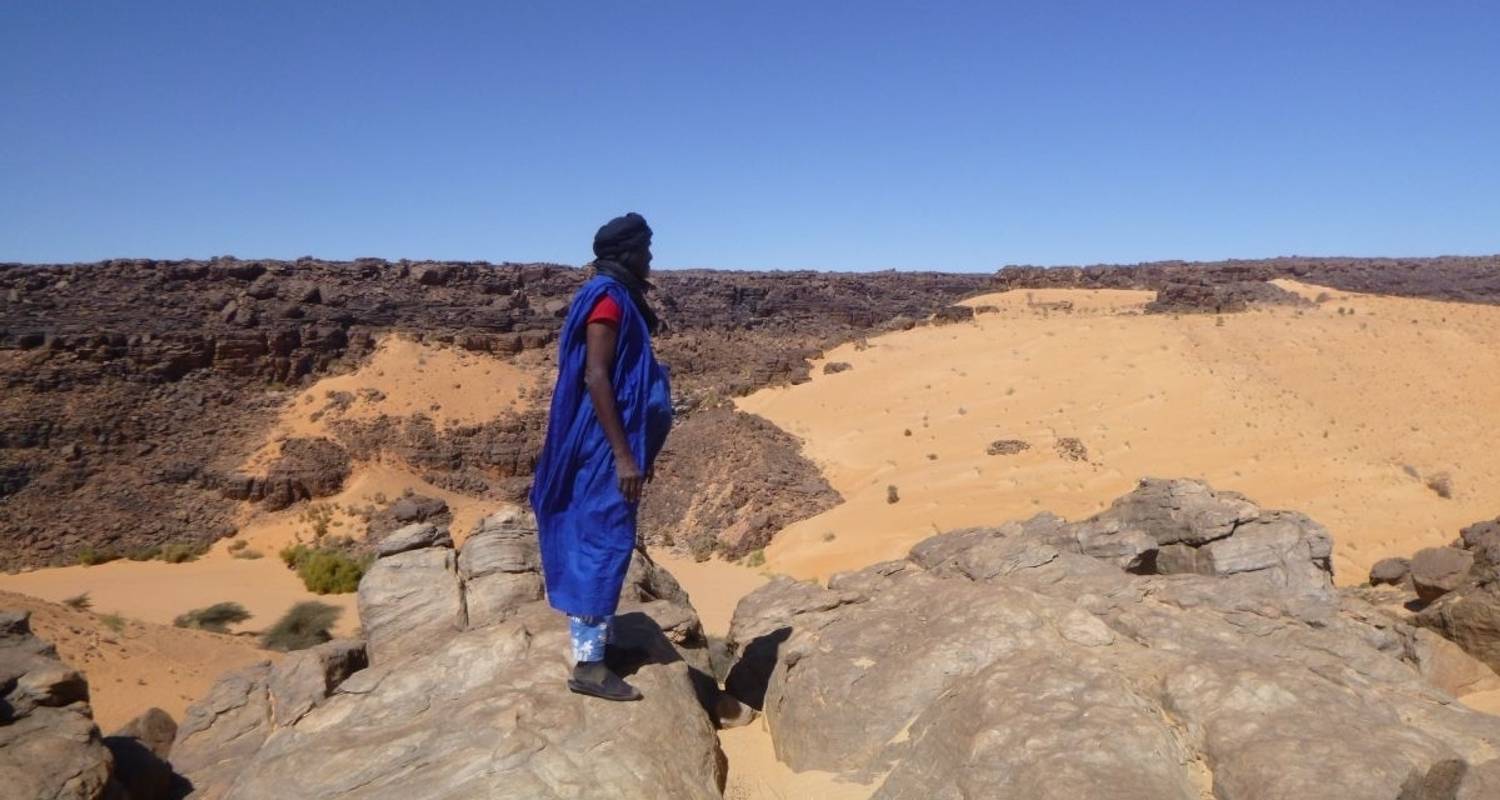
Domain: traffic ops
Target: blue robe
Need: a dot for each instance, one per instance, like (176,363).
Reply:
(587,527)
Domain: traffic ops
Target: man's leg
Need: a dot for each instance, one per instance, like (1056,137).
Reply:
(589,635)
(591,676)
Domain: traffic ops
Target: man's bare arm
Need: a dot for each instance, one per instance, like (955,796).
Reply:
(599,361)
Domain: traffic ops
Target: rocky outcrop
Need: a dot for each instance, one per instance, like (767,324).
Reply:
(1454,589)
(49,745)
(306,469)
(461,705)
(727,481)
(407,510)
(1183,297)
(1026,661)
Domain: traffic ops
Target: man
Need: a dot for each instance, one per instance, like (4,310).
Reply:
(611,410)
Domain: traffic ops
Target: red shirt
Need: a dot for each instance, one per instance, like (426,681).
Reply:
(606,310)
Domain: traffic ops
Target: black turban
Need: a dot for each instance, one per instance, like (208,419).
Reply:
(622,235)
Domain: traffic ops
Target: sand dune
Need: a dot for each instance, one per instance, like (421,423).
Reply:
(1346,415)
(403,377)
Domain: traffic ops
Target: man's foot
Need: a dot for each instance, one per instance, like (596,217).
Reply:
(595,679)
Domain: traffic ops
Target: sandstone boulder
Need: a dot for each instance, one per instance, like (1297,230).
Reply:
(49,745)
(140,749)
(456,705)
(1483,540)
(500,567)
(1436,571)
(1005,662)
(1390,571)
(413,537)
(410,598)
(1469,617)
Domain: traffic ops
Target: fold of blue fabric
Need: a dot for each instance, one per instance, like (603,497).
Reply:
(587,527)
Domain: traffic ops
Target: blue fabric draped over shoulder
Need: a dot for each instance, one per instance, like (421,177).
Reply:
(587,527)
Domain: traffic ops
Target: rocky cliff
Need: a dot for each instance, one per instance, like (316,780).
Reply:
(134,390)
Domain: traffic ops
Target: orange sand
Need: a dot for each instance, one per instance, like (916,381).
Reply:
(755,774)
(139,666)
(714,586)
(450,386)
(1310,410)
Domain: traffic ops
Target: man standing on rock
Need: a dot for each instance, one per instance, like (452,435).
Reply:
(611,410)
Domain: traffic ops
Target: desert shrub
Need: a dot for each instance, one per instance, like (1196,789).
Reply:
(114,622)
(238,545)
(318,516)
(325,570)
(217,617)
(304,625)
(757,558)
(246,553)
(1441,484)
(89,556)
(177,553)
(144,554)
(79,602)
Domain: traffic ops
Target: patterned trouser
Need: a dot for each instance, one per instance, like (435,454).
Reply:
(590,635)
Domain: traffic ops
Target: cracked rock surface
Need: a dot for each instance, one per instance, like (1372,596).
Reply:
(1047,660)
(464,694)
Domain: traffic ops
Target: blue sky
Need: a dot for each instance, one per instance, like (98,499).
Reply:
(856,135)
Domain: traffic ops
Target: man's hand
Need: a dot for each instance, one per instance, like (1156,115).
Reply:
(632,480)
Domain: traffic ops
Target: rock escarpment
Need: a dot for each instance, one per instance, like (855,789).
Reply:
(1045,659)
(463,695)
(134,390)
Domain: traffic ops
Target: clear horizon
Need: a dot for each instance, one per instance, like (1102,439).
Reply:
(955,137)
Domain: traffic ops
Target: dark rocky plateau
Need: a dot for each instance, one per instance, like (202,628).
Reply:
(134,389)
(1470,279)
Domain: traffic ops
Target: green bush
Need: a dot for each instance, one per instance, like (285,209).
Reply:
(246,553)
(217,617)
(114,622)
(145,554)
(325,570)
(89,556)
(757,558)
(305,625)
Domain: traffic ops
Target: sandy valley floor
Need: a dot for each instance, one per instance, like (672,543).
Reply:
(1345,416)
